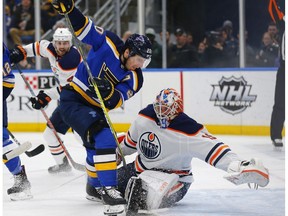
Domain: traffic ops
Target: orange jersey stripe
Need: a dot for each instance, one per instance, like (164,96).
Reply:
(137,166)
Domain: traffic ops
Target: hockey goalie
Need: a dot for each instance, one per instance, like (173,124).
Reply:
(166,140)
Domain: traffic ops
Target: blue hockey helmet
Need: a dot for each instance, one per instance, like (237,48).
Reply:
(139,45)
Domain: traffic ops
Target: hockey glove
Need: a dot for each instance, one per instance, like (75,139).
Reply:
(63,6)
(17,54)
(105,87)
(40,101)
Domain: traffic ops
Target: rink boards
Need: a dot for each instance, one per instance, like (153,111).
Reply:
(227,101)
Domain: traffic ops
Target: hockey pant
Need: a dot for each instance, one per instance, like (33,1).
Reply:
(101,153)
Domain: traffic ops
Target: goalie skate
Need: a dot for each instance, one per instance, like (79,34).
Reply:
(251,171)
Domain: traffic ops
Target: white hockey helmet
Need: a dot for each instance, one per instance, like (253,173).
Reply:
(62,34)
(167,106)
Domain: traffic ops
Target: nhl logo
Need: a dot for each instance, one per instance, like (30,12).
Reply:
(232,95)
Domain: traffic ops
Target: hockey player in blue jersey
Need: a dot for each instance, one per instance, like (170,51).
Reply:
(21,188)
(116,68)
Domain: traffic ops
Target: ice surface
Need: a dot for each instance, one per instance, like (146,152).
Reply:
(209,195)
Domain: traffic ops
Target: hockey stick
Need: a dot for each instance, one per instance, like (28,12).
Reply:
(93,83)
(31,153)
(17,151)
(76,166)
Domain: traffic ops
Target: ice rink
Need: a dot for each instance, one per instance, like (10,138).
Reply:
(209,195)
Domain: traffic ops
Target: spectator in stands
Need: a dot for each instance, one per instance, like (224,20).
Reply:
(182,56)
(190,41)
(214,55)
(201,51)
(274,32)
(22,22)
(268,53)
(49,15)
(156,61)
(230,44)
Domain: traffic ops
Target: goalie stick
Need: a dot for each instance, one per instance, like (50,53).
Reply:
(31,153)
(76,165)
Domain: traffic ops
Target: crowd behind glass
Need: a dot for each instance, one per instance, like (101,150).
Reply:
(218,48)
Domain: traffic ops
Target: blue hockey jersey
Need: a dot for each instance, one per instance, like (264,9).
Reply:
(8,76)
(104,62)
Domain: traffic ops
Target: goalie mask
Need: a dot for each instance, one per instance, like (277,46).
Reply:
(139,45)
(61,36)
(167,106)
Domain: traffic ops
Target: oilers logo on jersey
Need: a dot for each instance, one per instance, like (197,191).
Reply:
(150,145)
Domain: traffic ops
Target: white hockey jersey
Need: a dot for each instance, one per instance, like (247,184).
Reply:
(63,67)
(172,149)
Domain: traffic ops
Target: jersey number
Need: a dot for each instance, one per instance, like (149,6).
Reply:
(209,136)
(7,69)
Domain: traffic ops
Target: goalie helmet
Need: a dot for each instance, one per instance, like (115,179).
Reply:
(62,34)
(167,106)
(139,45)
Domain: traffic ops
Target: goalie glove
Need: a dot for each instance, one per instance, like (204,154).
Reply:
(63,6)
(17,54)
(40,101)
(105,87)
(253,171)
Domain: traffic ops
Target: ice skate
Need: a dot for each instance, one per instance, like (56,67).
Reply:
(21,188)
(114,203)
(278,144)
(93,194)
(60,168)
(248,172)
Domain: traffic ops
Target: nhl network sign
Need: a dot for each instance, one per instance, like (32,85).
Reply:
(232,95)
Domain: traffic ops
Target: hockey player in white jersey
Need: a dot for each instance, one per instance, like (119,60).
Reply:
(64,59)
(166,140)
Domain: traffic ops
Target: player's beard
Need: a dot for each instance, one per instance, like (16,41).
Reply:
(61,52)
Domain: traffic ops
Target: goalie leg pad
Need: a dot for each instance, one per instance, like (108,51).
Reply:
(135,196)
(157,184)
(251,171)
